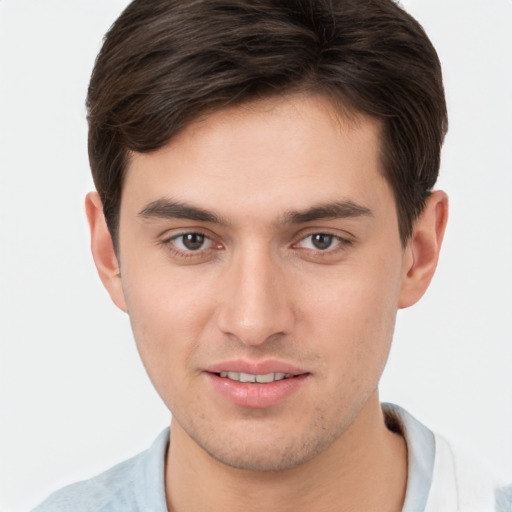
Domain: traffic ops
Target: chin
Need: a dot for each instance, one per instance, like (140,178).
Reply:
(267,453)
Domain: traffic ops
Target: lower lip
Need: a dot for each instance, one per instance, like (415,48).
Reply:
(256,395)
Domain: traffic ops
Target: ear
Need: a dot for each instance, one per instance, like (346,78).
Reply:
(102,249)
(422,250)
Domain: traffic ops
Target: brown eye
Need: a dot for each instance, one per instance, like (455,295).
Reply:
(321,241)
(190,242)
(193,241)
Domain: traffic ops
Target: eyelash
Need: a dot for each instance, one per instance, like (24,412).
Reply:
(169,243)
(341,244)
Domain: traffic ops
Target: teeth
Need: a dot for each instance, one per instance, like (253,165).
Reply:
(270,377)
(263,379)
(249,377)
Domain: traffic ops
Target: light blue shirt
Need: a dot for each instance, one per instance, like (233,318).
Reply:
(137,485)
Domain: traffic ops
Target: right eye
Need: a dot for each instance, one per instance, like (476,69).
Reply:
(191,242)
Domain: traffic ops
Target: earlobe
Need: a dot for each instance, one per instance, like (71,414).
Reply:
(103,251)
(422,250)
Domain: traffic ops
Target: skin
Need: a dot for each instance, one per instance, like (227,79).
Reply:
(258,289)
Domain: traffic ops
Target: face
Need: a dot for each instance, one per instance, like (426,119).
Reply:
(261,268)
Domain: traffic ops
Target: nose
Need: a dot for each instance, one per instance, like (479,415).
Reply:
(255,302)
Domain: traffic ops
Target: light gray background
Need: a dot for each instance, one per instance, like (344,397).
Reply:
(74,398)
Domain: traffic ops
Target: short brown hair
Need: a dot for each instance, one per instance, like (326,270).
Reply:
(165,62)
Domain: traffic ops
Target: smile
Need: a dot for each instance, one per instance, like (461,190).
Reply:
(249,377)
(256,390)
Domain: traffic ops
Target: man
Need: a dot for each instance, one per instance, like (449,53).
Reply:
(264,206)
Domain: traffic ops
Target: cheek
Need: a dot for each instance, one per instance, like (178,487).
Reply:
(356,311)
(168,316)
(169,303)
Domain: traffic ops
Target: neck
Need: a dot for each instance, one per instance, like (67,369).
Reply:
(365,469)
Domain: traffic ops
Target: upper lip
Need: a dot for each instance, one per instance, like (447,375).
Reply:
(255,368)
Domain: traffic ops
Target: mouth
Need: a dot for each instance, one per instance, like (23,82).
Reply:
(265,378)
(256,385)
(263,372)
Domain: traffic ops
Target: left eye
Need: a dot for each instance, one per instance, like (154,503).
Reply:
(320,241)
(191,242)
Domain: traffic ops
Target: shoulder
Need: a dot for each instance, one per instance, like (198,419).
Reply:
(108,491)
(504,498)
(443,478)
(136,484)
(470,484)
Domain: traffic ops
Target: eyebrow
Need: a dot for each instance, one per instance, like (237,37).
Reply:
(169,209)
(335,210)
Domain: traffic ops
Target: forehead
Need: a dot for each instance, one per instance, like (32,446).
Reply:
(280,153)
